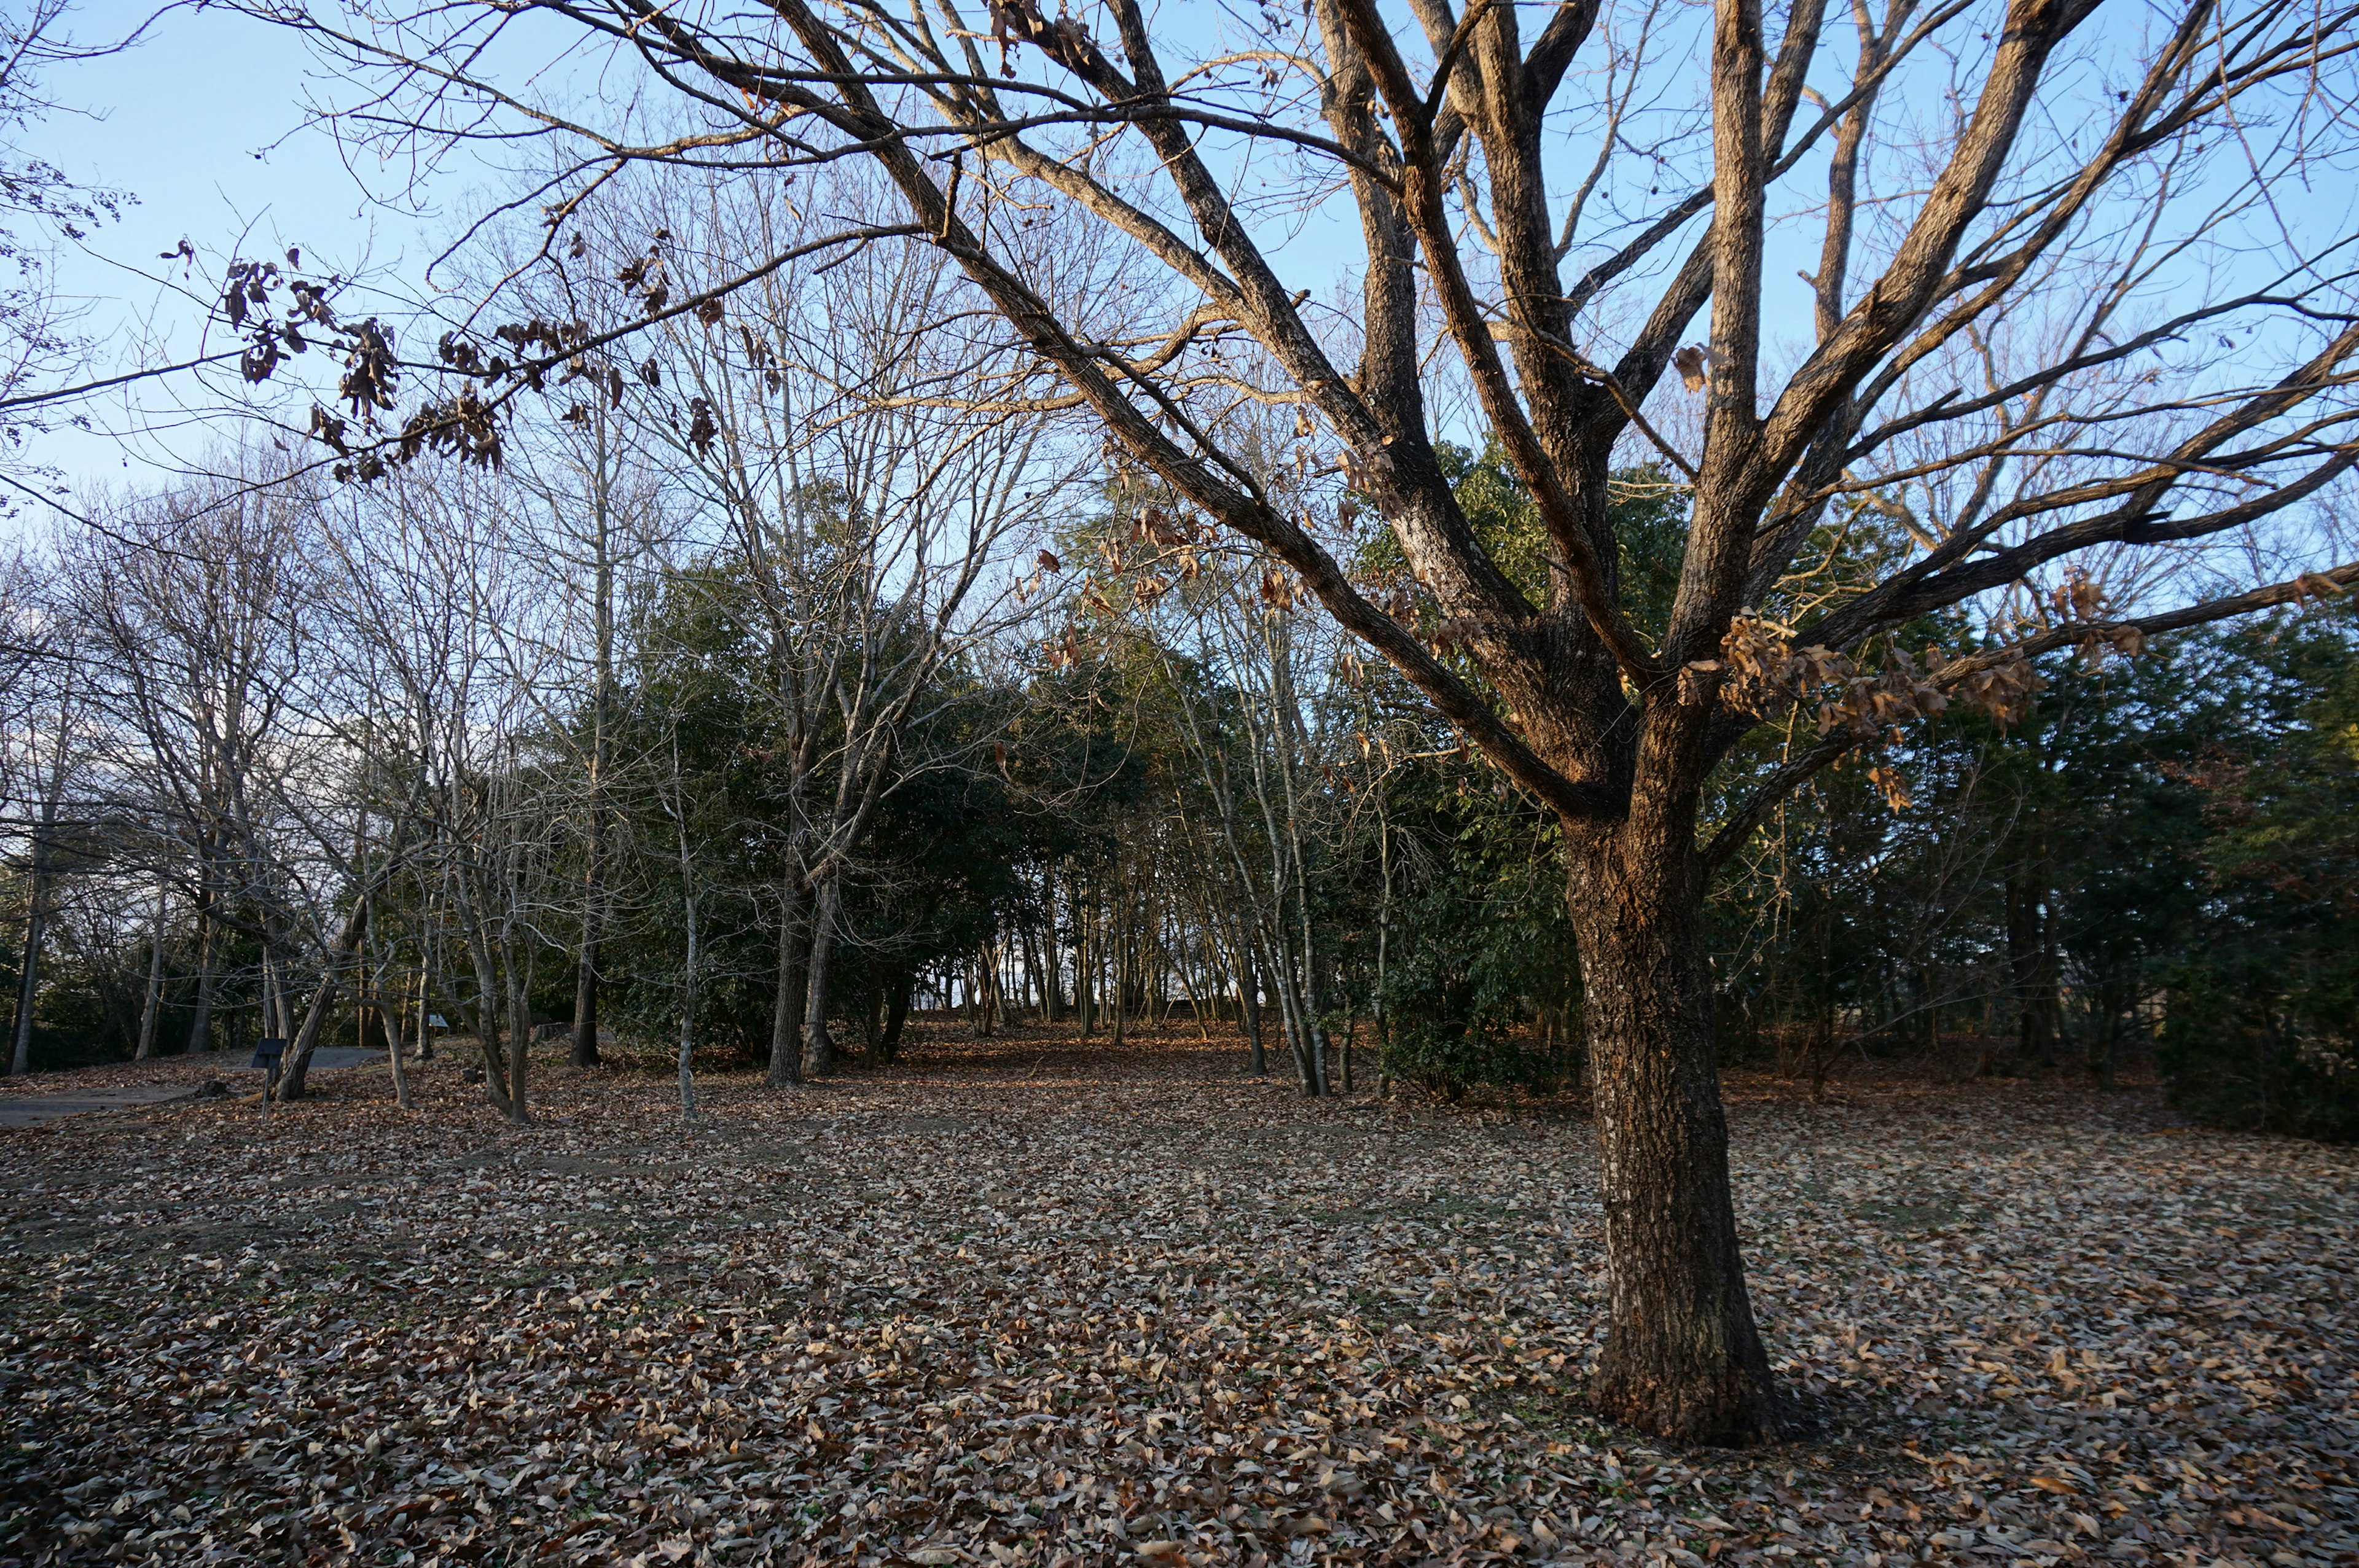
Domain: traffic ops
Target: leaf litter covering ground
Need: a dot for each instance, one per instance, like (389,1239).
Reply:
(1027,1301)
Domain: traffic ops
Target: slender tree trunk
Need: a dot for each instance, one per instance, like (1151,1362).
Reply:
(585,1053)
(786,1016)
(389,1021)
(28,979)
(151,1007)
(1382,1021)
(818,1046)
(1085,967)
(1682,1357)
(271,1024)
(488,1009)
(2030,953)
(687,1005)
(897,1015)
(425,1004)
(593,874)
(36,911)
(1112,989)
(2111,1001)
(200,1021)
(519,1025)
(1052,969)
(1249,993)
(1279,964)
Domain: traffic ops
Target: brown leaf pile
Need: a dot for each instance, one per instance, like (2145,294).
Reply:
(1028,1302)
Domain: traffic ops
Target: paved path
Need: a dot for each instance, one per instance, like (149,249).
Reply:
(27,1110)
(324,1059)
(32,1109)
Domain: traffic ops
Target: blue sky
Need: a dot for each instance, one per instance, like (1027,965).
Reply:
(203,122)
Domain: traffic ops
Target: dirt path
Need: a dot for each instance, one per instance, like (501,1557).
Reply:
(1032,1300)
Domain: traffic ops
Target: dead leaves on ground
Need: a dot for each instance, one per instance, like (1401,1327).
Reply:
(1053,1304)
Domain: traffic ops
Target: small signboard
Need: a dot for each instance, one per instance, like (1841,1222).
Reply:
(267,1051)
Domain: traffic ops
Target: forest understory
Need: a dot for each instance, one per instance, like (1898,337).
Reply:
(1040,1299)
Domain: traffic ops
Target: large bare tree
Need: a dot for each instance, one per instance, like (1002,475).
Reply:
(2060,305)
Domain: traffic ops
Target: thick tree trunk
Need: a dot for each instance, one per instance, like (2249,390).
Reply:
(346,950)
(1682,1357)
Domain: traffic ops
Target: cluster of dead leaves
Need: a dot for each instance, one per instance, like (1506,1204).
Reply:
(1762,671)
(1023,1301)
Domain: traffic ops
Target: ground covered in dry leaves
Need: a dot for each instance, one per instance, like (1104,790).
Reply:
(1020,1301)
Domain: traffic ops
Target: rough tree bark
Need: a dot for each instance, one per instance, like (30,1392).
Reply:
(1684,1354)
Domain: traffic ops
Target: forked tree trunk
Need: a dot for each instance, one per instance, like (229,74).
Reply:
(1682,1357)
(486,1022)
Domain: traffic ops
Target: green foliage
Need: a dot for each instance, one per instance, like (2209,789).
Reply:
(955,834)
(1482,985)
(1648,517)
(1480,943)
(2263,1025)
